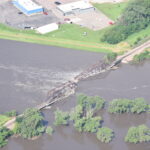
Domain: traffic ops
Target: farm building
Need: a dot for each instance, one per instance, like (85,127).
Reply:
(28,7)
(75,7)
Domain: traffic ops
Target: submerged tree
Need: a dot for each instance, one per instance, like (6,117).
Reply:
(137,105)
(61,118)
(49,130)
(94,103)
(30,124)
(4,134)
(138,134)
(105,134)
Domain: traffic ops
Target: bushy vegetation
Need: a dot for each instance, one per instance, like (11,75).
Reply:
(110,57)
(61,118)
(83,115)
(89,103)
(141,57)
(105,134)
(138,134)
(30,124)
(12,113)
(135,17)
(49,130)
(137,105)
(3,119)
(4,134)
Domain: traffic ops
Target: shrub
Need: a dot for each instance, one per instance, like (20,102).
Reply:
(141,57)
(110,57)
(49,130)
(12,113)
(105,134)
(138,134)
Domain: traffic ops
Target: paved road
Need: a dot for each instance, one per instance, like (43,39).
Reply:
(127,57)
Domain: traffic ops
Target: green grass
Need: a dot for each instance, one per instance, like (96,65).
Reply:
(113,11)
(3,119)
(69,36)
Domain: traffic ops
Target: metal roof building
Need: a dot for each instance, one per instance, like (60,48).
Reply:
(75,7)
(47,28)
(28,7)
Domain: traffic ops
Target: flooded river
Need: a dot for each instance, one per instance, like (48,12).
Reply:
(28,71)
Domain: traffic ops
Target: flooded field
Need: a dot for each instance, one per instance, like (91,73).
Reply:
(28,71)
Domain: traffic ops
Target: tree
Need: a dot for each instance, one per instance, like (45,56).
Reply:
(134,18)
(92,124)
(76,113)
(4,134)
(79,124)
(105,134)
(137,105)
(90,103)
(61,118)
(138,134)
(30,124)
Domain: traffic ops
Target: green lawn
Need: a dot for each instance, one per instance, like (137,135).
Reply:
(113,11)
(69,36)
(3,119)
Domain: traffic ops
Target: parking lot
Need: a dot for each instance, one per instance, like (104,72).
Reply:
(11,17)
(94,20)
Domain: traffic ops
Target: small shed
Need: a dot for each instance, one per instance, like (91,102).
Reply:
(75,7)
(47,28)
(28,7)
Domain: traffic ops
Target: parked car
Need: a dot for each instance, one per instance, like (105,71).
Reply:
(57,3)
(20,12)
(66,19)
(111,23)
(45,13)
(29,27)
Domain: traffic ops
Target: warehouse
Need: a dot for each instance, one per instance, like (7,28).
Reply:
(75,8)
(28,7)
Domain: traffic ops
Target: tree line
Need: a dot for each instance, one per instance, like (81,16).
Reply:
(83,117)
(134,18)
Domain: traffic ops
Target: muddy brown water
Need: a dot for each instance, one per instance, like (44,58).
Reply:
(28,71)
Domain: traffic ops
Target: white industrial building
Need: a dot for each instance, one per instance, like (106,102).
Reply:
(75,7)
(47,28)
(28,7)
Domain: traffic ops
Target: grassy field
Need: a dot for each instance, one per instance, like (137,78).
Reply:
(3,119)
(113,11)
(71,36)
